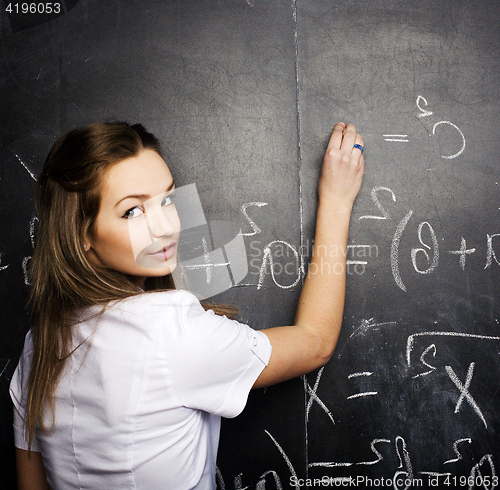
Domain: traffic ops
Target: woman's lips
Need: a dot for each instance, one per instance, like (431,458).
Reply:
(164,253)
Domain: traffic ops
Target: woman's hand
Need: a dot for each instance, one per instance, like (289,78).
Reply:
(343,167)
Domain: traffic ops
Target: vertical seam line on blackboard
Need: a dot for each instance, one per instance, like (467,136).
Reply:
(301,240)
(299,142)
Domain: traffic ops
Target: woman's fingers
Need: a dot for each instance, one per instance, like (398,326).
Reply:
(336,137)
(344,138)
(349,137)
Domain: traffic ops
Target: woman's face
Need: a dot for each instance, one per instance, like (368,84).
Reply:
(137,227)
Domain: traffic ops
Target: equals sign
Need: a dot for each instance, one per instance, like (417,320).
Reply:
(365,393)
(401,138)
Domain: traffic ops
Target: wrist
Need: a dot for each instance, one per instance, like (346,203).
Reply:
(332,205)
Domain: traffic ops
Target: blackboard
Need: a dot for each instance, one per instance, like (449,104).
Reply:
(243,95)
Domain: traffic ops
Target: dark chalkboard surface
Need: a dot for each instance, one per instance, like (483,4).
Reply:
(243,94)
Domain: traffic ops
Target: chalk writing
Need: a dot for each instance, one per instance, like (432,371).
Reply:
(375,451)
(464,390)
(476,478)
(404,473)
(435,248)
(4,368)
(395,250)
(431,348)
(313,397)
(208,265)
(238,482)
(403,138)
(285,457)
(25,266)
(32,228)
(399,443)
(428,251)
(219,479)
(463,387)
(365,393)
(463,252)
(476,472)
(361,251)
(411,339)
(261,484)
(456,451)
(32,175)
(459,152)
(490,253)
(355,375)
(426,113)
(268,258)
(2,267)
(385,214)
(404,462)
(396,138)
(252,224)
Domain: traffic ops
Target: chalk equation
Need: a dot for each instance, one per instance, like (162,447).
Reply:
(287,264)
(482,474)
(425,256)
(429,354)
(422,104)
(394,454)
(265,259)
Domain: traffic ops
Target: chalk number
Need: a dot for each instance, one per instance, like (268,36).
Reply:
(384,213)
(425,113)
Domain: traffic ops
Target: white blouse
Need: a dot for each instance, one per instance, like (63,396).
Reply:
(139,402)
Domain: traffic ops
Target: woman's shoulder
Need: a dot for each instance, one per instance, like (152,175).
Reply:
(136,302)
(153,304)
(145,312)
(27,351)
(171,297)
(21,373)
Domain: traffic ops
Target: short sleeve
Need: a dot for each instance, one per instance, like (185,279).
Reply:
(18,393)
(213,361)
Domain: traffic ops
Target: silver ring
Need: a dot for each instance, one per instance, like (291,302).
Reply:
(359,147)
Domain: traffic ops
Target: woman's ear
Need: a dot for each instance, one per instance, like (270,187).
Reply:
(87,238)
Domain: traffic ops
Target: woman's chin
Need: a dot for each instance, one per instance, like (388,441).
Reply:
(157,267)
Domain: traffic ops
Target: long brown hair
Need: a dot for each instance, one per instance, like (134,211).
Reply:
(67,199)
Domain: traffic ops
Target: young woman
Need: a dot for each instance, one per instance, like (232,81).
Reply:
(123,379)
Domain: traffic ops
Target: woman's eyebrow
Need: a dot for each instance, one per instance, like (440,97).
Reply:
(142,197)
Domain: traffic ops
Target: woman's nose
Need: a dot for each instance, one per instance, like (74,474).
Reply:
(160,223)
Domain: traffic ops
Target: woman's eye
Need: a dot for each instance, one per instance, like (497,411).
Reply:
(133,212)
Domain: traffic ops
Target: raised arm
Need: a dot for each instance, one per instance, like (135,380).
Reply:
(309,344)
